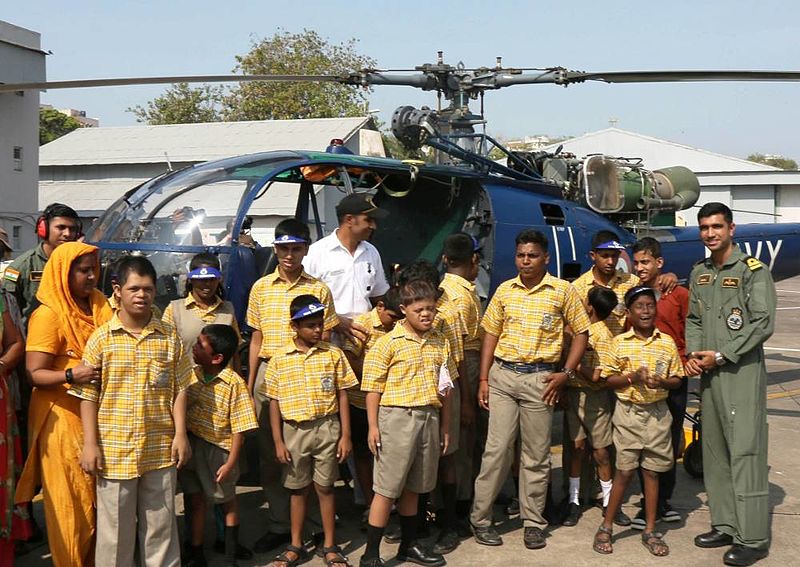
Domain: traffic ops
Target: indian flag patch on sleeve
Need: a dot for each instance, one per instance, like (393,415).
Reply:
(11,275)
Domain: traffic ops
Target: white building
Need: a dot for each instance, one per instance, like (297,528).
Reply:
(757,193)
(90,168)
(79,115)
(21,60)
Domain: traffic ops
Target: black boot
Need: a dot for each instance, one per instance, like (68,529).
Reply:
(231,543)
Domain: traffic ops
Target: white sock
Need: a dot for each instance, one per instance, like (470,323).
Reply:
(574,489)
(606,485)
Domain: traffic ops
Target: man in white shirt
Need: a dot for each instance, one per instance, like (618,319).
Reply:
(347,262)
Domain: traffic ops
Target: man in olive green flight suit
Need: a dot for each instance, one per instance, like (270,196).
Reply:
(731,315)
(59,223)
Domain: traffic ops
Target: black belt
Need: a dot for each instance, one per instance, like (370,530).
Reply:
(524,367)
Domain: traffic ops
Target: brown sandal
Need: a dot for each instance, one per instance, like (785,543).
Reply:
(655,544)
(601,538)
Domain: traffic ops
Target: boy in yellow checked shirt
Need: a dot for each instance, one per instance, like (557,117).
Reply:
(379,321)
(520,382)
(461,258)
(219,411)
(306,383)
(642,364)
(134,424)
(448,322)
(407,384)
(268,316)
(589,406)
(605,254)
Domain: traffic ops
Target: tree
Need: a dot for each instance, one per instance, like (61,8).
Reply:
(304,53)
(54,124)
(773,160)
(285,53)
(182,104)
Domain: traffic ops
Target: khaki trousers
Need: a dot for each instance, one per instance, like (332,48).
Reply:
(271,471)
(515,408)
(145,505)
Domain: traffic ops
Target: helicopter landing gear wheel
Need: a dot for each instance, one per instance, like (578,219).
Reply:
(693,459)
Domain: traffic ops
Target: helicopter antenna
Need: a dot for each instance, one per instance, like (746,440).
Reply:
(169,163)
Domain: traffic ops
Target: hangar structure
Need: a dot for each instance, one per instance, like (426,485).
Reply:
(757,193)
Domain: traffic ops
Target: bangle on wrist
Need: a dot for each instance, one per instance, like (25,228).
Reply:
(69,378)
(630,382)
(483,379)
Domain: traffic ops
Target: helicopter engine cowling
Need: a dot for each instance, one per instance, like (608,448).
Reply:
(620,185)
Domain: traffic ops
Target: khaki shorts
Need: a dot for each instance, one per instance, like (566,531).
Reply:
(409,453)
(312,445)
(642,436)
(454,425)
(200,473)
(589,416)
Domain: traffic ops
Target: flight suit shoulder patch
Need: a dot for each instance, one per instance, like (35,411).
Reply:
(11,275)
(703,279)
(731,283)
(753,263)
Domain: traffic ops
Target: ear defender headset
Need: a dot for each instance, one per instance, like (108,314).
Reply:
(52,211)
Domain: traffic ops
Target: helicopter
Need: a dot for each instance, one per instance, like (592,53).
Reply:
(458,187)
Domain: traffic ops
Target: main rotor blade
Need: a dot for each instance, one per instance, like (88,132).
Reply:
(679,76)
(125,81)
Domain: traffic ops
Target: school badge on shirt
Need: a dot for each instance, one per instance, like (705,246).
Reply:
(735,321)
(548,323)
(327,384)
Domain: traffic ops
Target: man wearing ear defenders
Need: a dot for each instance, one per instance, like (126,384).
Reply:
(57,224)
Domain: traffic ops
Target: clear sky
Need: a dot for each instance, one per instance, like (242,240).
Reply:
(91,39)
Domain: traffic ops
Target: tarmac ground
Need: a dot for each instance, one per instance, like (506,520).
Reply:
(573,546)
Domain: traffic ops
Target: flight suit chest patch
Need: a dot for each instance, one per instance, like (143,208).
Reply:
(36,276)
(735,321)
(704,279)
(731,283)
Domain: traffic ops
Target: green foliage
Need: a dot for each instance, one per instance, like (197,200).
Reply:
(303,53)
(774,161)
(182,104)
(53,124)
(285,53)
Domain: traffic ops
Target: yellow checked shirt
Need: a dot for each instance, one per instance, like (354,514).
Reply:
(461,293)
(219,408)
(619,284)
(657,353)
(529,323)
(207,315)
(306,384)
(405,369)
(599,345)
(141,375)
(447,322)
(371,321)
(268,308)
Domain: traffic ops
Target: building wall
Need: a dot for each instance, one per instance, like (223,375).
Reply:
(787,202)
(19,135)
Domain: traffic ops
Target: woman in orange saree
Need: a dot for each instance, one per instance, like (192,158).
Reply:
(71,308)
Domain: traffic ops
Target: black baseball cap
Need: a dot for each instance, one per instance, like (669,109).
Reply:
(360,204)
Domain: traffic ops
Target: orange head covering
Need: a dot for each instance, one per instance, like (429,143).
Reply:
(54,293)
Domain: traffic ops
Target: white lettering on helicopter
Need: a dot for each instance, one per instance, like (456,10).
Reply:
(772,249)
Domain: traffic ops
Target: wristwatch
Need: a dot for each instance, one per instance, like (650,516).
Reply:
(68,376)
(719,359)
(570,373)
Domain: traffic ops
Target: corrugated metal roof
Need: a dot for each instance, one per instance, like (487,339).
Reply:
(193,142)
(655,152)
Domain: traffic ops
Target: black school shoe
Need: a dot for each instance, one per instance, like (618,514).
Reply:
(743,556)
(447,542)
(573,515)
(415,553)
(534,538)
